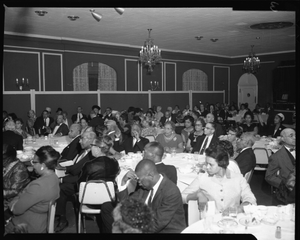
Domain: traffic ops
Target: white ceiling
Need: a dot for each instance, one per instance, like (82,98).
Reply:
(173,29)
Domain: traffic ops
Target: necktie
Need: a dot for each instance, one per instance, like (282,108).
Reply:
(204,146)
(80,157)
(150,198)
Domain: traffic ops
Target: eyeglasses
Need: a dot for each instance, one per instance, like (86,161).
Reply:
(81,138)
(208,128)
(229,133)
(199,125)
(94,145)
(33,162)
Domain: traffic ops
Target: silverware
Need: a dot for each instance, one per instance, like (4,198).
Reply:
(247,221)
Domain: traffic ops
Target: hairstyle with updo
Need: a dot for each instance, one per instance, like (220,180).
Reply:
(49,156)
(226,146)
(106,140)
(189,117)
(134,216)
(172,124)
(219,154)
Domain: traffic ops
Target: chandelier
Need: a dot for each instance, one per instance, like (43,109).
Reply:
(252,63)
(149,54)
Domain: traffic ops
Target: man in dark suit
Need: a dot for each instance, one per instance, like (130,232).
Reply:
(246,159)
(158,192)
(154,151)
(107,114)
(135,143)
(95,120)
(77,116)
(210,138)
(210,118)
(167,117)
(60,129)
(42,124)
(10,137)
(282,163)
(68,186)
(74,147)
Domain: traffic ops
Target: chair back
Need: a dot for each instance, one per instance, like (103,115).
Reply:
(96,192)
(51,216)
(262,157)
(193,212)
(248,176)
(150,138)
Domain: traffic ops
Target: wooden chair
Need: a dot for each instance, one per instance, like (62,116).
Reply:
(93,192)
(51,216)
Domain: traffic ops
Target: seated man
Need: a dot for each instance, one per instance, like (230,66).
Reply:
(167,117)
(74,147)
(158,192)
(95,120)
(210,118)
(282,162)
(68,186)
(154,151)
(135,143)
(77,116)
(246,158)
(60,129)
(10,137)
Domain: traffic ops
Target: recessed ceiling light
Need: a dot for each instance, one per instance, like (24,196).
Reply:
(214,39)
(41,13)
(257,37)
(73,17)
(199,37)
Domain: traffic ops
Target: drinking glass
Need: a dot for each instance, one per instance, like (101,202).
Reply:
(173,152)
(292,212)
(233,211)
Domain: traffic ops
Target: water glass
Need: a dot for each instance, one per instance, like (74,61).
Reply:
(33,140)
(280,212)
(292,212)
(233,212)
(173,152)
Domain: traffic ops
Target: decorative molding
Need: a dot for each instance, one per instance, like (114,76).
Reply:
(61,66)
(39,63)
(228,85)
(125,70)
(165,74)
(162,76)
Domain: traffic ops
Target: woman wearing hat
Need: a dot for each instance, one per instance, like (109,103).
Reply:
(275,129)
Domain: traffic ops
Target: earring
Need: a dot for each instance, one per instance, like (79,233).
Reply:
(42,168)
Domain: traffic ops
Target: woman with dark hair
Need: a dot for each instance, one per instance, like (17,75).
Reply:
(31,205)
(19,123)
(249,125)
(188,128)
(133,216)
(196,138)
(275,129)
(203,112)
(84,124)
(234,189)
(102,167)
(15,174)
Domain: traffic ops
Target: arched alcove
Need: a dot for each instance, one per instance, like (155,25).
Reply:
(247,90)
(194,79)
(92,76)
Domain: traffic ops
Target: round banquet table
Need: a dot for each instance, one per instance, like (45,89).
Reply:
(262,231)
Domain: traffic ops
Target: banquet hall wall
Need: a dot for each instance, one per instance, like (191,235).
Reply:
(49,64)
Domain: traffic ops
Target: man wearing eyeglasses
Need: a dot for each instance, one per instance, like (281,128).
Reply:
(210,137)
(68,186)
(210,118)
(283,162)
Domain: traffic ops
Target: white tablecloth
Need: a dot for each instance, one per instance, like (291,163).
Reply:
(261,231)
(62,142)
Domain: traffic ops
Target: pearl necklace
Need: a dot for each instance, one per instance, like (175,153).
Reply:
(167,139)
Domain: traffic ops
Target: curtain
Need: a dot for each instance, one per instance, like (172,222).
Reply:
(107,78)
(194,79)
(80,78)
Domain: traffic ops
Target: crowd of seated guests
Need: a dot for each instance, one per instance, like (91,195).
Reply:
(101,140)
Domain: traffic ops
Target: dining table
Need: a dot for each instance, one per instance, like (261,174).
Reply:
(261,223)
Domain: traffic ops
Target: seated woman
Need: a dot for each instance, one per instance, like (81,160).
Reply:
(275,129)
(228,147)
(218,178)
(84,124)
(31,205)
(188,128)
(15,174)
(249,125)
(102,167)
(233,133)
(30,129)
(19,130)
(133,216)
(169,139)
(148,129)
(196,138)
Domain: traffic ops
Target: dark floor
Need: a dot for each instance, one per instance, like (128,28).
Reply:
(259,187)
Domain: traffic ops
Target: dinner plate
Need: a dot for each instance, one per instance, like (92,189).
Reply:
(270,220)
(227,222)
(252,223)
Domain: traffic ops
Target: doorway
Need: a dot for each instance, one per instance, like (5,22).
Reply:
(247,90)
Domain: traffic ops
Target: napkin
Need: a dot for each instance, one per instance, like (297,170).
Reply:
(256,213)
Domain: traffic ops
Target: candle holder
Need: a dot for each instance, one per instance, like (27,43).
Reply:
(154,85)
(22,83)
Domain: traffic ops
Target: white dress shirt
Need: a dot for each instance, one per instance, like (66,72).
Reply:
(208,141)
(155,187)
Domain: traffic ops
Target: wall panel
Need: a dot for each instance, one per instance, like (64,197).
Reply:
(170,76)
(52,71)
(17,103)
(131,75)
(170,99)
(210,97)
(221,80)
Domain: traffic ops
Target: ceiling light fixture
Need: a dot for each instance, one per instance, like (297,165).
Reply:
(41,13)
(149,54)
(120,10)
(97,16)
(214,39)
(252,63)
(73,17)
(199,37)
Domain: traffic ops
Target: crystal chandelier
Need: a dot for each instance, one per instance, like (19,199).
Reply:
(149,54)
(252,63)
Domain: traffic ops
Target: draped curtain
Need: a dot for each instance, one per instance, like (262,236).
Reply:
(80,78)
(194,79)
(107,78)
